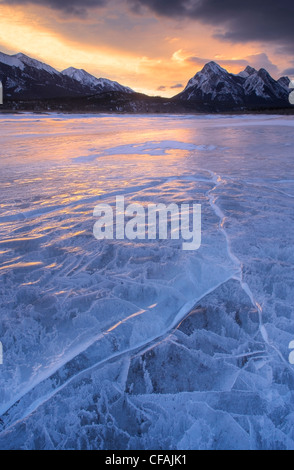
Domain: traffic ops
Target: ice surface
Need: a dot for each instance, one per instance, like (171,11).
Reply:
(119,344)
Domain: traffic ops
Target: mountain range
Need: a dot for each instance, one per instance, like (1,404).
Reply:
(31,84)
(213,86)
(24,78)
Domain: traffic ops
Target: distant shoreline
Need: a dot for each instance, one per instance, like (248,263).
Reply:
(277,112)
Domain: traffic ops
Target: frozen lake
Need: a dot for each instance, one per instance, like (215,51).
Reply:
(138,344)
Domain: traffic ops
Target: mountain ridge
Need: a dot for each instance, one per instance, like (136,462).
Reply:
(29,82)
(215,86)
(26,78)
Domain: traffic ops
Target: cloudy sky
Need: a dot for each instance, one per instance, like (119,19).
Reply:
(153,46)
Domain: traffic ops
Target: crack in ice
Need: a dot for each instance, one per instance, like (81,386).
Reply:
(217,179)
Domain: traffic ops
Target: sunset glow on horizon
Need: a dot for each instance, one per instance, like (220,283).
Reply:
(137,43)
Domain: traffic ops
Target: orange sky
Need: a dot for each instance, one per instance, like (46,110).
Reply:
(151,54)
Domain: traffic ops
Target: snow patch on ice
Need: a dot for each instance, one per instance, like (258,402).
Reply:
(146,148)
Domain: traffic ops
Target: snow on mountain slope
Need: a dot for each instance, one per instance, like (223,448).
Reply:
(247,72)
(215,87)
(262,84)
(89,80)
(255,85)
(81,76)
(12,61)
(27,78)
(214,83)
(285,83)
(35,63)
(210,75)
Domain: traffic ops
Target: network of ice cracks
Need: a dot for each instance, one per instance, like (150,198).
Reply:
(140,345)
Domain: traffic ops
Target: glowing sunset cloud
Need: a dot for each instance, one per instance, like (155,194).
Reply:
(45,45)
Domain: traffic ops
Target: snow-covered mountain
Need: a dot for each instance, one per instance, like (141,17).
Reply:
(96,84)
(215,88)
(285,83)
(29,62)
(214,84)
(247,72)
(25,78)
(11,60)
(261,84)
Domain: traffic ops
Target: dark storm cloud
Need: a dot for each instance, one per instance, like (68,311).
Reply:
(76,7)
(289,72)
(164,87)
(178,85)
(259,20)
